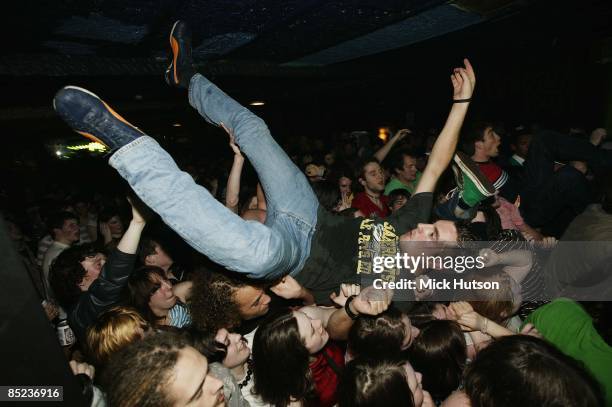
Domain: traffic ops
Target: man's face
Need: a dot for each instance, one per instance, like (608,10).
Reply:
(159,259)
(69,232)
(252,301)
(522,145)
(442,230)
(373,180)
(192,383)
(409,170)
(490,143)
(93,266)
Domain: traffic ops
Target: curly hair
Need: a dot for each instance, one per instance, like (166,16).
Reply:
(212,304)
(140,373)
(66,273)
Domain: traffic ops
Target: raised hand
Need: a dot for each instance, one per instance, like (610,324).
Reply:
(346,290)
(82,368)
(531,330)
(232,141)
(402,133)
(464,81)
(460,307)
(371,301)
(471,321)
(137,210)
(489,256)
(287,288)
(105,232)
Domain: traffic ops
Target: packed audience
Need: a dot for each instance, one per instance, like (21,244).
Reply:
(166,321)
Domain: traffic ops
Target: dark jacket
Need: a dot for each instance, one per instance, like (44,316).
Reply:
(103,293)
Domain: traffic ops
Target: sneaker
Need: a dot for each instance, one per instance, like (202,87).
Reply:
(91,117)
(473,186)
(180,70)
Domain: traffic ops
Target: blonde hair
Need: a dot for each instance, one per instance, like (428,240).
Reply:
(113,330)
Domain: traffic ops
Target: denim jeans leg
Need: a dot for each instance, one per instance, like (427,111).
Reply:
(446,210)
(189,209)
(286,187)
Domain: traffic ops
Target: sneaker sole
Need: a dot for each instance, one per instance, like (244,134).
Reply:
(470,168)
(108,108)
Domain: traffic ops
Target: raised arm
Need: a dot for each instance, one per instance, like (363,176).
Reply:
(464,81)
(233,182)
(129,242)
(384,150)
(517,263)
(337,321)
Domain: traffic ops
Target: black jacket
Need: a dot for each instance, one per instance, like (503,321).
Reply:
(103,293)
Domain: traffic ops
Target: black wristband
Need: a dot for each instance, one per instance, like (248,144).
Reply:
(462,100)
(350,313)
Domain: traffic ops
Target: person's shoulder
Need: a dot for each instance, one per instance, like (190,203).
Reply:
(456,399)
(359,197)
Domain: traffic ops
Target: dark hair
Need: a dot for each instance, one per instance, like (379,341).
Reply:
(140,373)
(490,228)
(327,194)
(206,344)
(56,221)
(535,373)
(374,383)
(396,193)
(475,132)
(107,213)
(280,361)
(464,232)
(146,247)
(212,305)
(396,160)
(140,288)
(378,337)
(520,132)
(66,273)
(439,353)
(360,168)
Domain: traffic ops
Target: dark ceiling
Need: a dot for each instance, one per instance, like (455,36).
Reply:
(334,59)
(102,37)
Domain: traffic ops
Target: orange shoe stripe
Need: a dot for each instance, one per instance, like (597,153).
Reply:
(110,109)
(175,50)
(91,137)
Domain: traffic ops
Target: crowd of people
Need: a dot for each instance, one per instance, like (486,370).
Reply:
(268,299)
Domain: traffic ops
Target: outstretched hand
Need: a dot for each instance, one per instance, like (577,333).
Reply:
(346,290)
(464,81)
(287,288)
(232,141)
(139,211)
(372,301)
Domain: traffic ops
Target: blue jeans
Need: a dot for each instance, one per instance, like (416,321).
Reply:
(446,210)
(273,249)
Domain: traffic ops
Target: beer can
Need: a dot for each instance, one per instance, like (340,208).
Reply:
(64,333)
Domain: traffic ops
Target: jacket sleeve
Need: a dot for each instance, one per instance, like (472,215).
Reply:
(103,293)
